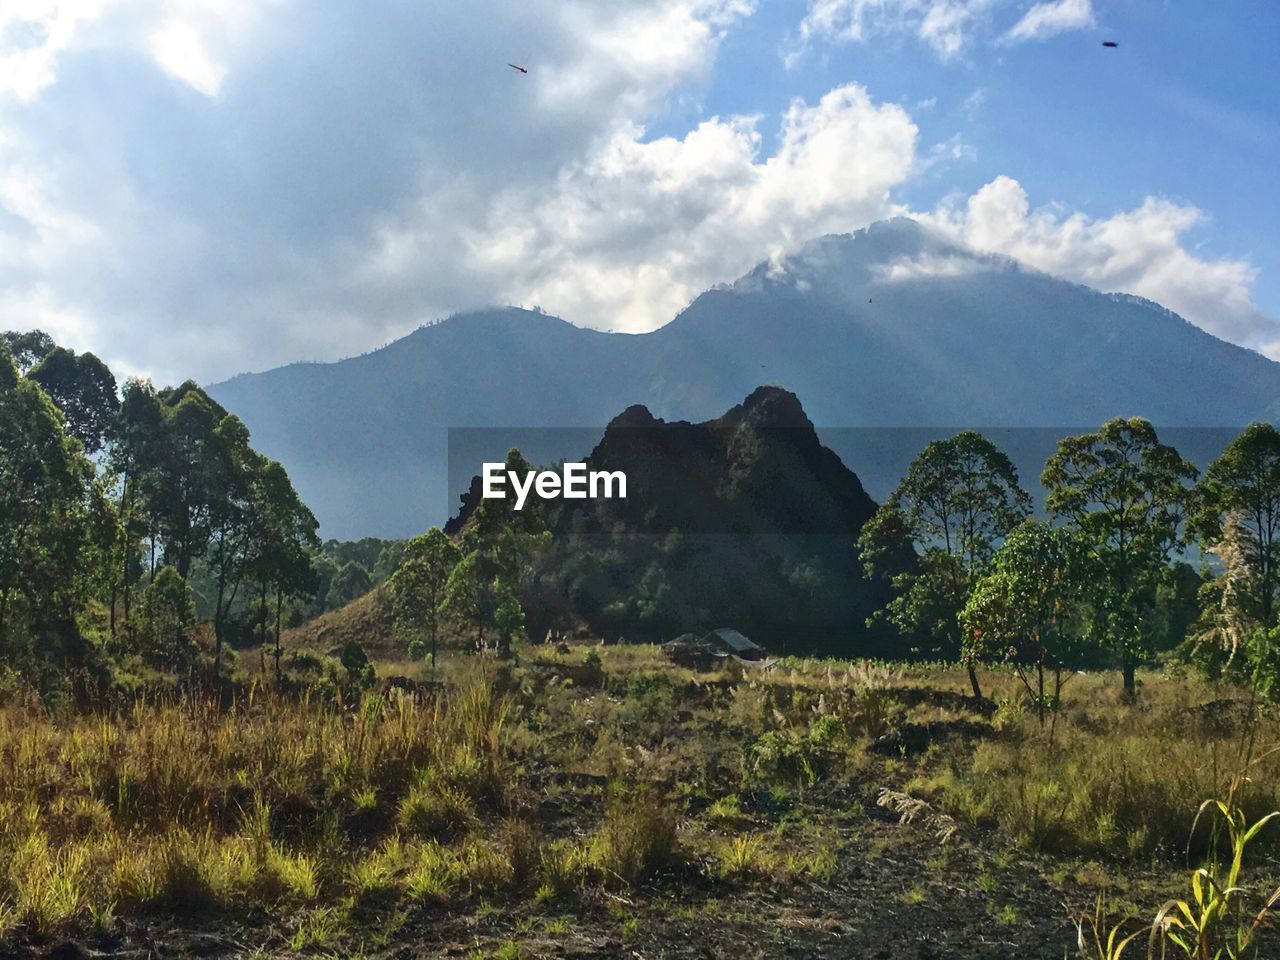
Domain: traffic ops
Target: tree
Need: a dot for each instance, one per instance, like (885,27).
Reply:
(418,586)
(937,532)
(56,527)
(283,537)
(84,390)
(133,462)
(1242,487)
(231,470)
(349,582)
(1127,495)
(27,349)
(498,543)
(1027,609)
(185,494)
(163,624)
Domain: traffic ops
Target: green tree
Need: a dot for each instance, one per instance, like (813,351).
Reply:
(186,492)
(464,601)
(56,527)
(1027,609)
(498,544)
(133,462)
(84,390)
(230,472)
(283,537)
(27,349)
(418,586)
(937,532)
(1127,494)
(1243,484)
(162,628)
(349,582)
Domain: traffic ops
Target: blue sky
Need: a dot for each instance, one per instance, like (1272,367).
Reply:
(1186,107)
(200,187)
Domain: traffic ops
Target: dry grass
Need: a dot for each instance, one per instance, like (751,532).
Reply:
(507,784)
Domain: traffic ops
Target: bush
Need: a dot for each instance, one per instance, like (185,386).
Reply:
(636,839)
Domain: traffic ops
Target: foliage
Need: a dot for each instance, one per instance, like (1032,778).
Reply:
(1242,488)
(418,588)
(162,628)
(84,390)
(1127,494)
(1027,610)
(1216,921)
(497,544)
(937,532)
(56,529)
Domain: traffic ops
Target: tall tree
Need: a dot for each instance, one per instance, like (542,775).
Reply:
(56,526)
(418,586)
(84,390)
(133,462)
(498,544)
(937,532)
(186,489)
(27,349)
(283,531)
(230,471)
(1127,494)
(1243,485)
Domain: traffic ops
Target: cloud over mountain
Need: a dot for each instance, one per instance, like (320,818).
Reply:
(197,187)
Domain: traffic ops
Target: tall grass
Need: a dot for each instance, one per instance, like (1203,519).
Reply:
(184,805)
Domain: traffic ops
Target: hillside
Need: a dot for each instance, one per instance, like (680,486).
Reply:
(892,326)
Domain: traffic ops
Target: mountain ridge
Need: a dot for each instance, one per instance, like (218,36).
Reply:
(894,325)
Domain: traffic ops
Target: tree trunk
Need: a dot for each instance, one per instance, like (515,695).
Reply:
(1130,679)
(973,681)
(278,603)
(217,628)
(1040,705)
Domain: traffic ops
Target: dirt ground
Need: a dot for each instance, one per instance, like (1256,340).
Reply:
(897,894)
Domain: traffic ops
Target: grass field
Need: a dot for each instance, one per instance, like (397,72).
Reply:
(599,801)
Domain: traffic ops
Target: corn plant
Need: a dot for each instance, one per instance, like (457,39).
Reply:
(1215,924)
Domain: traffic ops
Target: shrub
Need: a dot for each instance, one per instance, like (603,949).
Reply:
(636,839)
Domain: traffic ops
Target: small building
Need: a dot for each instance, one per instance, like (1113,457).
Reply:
(688,651)
(735,644)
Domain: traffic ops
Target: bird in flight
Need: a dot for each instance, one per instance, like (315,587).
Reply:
(517,68)
(1110,43)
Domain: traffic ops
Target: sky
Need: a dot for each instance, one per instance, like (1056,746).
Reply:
(197,188)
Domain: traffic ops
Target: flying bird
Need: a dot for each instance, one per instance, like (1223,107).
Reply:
(1110,43)
(517,68)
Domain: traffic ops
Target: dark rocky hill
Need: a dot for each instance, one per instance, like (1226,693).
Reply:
(746,520)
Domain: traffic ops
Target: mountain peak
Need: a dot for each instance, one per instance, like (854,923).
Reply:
(771,408)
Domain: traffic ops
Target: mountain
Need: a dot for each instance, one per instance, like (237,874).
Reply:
(891,326)
(751,497)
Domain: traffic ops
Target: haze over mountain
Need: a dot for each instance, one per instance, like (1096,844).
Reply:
(892,326)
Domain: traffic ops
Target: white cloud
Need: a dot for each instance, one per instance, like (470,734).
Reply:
(33,33)
(933,265)
(1051,18)
(630,235)
(947,26)
(180,50)
(944,25)
(262,225)
(350,171)
(1141,251)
